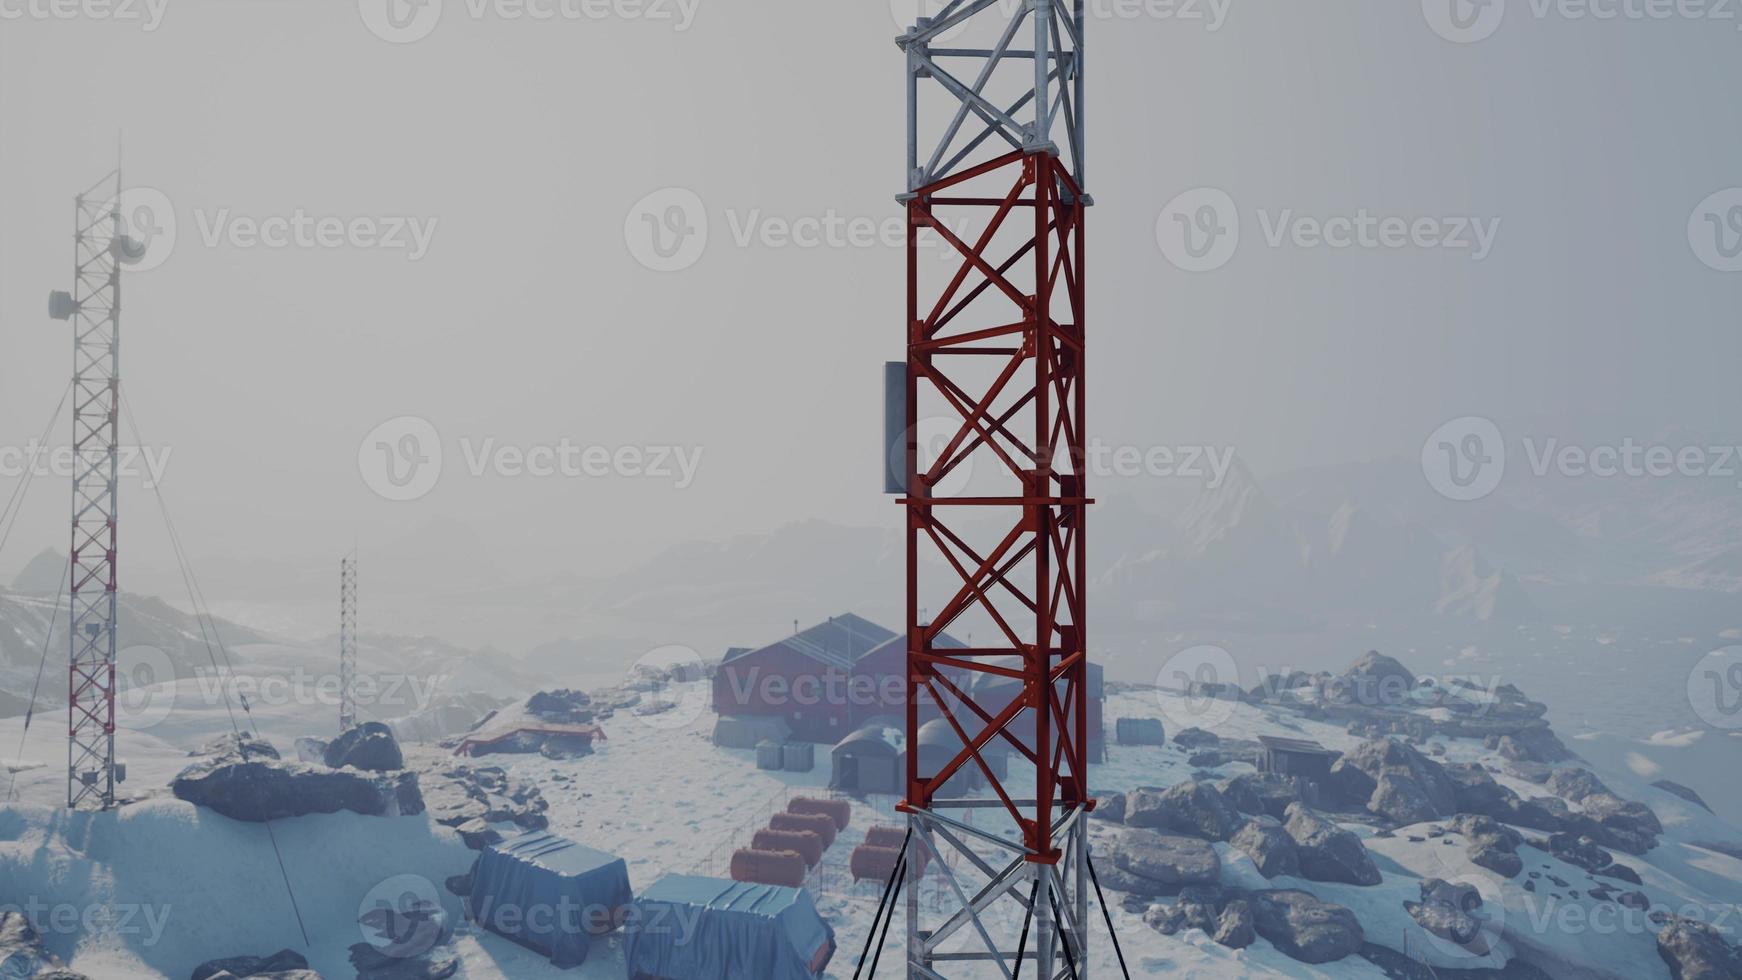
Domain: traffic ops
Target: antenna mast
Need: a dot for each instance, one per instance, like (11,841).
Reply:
(347,642)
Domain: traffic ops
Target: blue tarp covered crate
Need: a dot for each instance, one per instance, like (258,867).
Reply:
(550,894)
(691,928)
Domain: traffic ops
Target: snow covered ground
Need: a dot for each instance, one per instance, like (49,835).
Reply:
(658,793)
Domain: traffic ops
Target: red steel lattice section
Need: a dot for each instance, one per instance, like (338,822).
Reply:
(1000,348)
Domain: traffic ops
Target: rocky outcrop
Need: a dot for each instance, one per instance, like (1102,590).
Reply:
(370,747)
(23,955)
(1677,789)
(1192,807)
(1154,864)
(1196,738)
(1198,907)
(1581,852)
(470,798)
(563,707)
(1696,951)
(1304,927)
(257,790)
(1534,743)
(1327,851)
(239,744)
(1264,841)
(283,963)
(1110,808)
(1260,793)
(1373,680)
(1417,787)
(1491,844)
(1574,783)
(1448,911)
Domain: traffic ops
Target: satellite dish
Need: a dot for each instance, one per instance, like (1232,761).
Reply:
(127,249)
(61,305)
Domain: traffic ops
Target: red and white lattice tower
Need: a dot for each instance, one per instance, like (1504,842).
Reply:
(994,388)
(94,308)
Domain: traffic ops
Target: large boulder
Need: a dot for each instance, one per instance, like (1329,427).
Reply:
(1198,907)
(282,962)
(1192,807)
(1531,743)
(562,707)
(1196,738)
(1327,851)
(1574,783)
(1448,911)
(1696,951)
(1304,927)
(1491,844)
(369,746)
(1235,928)
(267,789)
(1625,818)
(1401,799)
(1373,681)
(1475,791)
(239,744)
(1162,864)
(1264,841)
(1260,793)
(1579,851)
(1356,775)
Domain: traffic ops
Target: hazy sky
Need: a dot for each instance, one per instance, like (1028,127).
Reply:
(523,149)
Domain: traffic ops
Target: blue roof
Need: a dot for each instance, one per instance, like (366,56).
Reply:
(555,854)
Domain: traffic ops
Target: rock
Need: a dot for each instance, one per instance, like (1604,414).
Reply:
(266,789)
(312,750)
(1696,951)
(1304,927)
(1373,681)
(1110,808)
(1401,799)
(1269,846)
(1677,789)
(1260,793)
(562,707)
(566,746)
(1234,927)
(1582,852)
(23,955)
(283,961)
(1166,863)
(1447,910)
(1475,791)
(1492,845)
(1356,774)
(1547,813)
(238,745)
(1635,900)
(1192,807)
(478,834)
(1198,908)
(1621,872)
(1575,784)
(460,885)
(1530,744)
(1327,851)
(1196,738)
(373,964)
(1627,817)
(369,746)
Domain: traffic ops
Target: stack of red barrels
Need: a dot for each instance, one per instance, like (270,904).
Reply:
(792,843)
(877,857)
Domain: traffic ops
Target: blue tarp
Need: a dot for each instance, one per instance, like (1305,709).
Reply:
(550,894)
(690,928)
